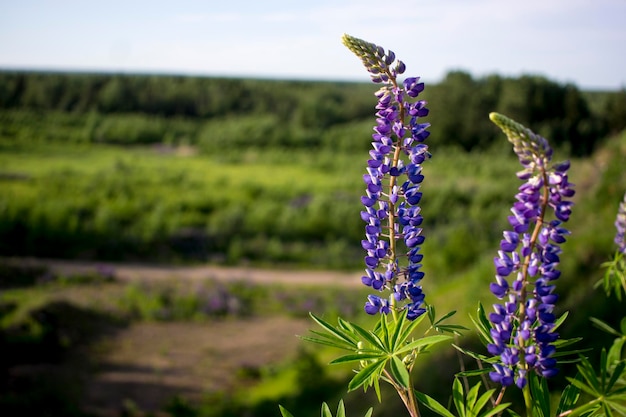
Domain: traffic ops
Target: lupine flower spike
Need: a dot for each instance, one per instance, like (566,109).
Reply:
(393,178)
(620,225)
(526,266)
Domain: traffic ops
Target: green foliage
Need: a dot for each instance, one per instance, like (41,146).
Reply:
(387,353)
(341,411)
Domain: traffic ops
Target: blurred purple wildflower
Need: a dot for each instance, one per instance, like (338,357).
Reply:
(523,327)
(393,178)
(620,225)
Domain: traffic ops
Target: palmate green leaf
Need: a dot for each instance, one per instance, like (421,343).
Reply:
(432,404)
(424,342)
(366,374)
(399,372)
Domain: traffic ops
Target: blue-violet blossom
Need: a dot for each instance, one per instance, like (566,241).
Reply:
(523,324)
(393,178)
(620,225)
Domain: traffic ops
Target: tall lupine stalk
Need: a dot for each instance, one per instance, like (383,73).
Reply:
(615,275)
(620,226)
(393,178)
(523,324)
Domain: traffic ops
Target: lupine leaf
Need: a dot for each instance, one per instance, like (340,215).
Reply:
(371,337)
(471,397)
(326,411)
(332,330)
(396,338)
(482,325)
(386,337)
(399,372)
(496,410)
(569,398)
(326,340)
(540,395)
(615,351)
(369,412)
(457,397)
(366,373)
(604,327)
(473,372)
(446,316)
(483,400)
(356,357)
(411,327)
(512,413)
(477,356)
(341,409)
(583,387)
(589,375)
(284,412)
(432,404)
(617,372)
(559,321)
(423,342)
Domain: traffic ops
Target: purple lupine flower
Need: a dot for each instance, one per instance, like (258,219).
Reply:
(523,325)
(620,225)
(392,195)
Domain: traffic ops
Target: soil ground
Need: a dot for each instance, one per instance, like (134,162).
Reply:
(147,364)
(151,363)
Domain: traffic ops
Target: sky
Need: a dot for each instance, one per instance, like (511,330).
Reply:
(574,41)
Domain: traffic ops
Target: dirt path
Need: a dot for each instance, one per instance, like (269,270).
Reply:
(132,272)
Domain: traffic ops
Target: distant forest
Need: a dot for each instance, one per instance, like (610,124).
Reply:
(211,112)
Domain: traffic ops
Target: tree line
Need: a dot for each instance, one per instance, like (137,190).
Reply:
(301,113)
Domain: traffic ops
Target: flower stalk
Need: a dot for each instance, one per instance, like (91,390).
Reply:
(523,326)
(392,213)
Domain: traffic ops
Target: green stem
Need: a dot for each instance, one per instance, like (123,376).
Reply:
(528,401)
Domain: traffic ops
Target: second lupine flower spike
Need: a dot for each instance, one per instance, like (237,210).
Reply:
(393,178)
(523,325)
